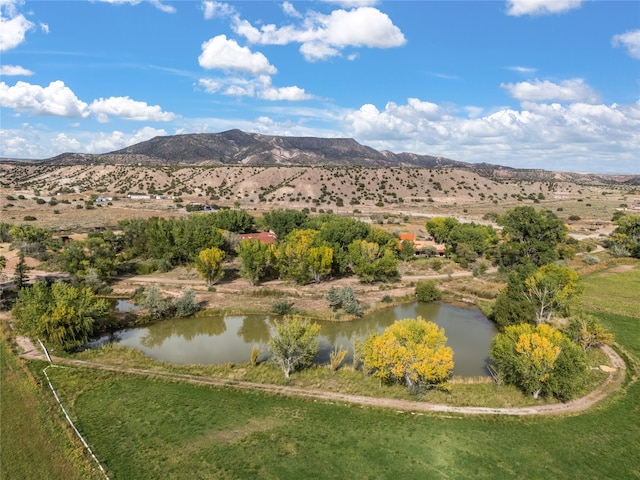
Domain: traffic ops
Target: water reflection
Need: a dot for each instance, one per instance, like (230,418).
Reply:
(217,339)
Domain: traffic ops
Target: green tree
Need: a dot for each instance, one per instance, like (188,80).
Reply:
(63,315)
(237,221)
(411,351)
(511,306)
(20,273)
(440,228)
(540,360)
(529,237)
(551,289)
(625,239)
(209,264)
(293,343)
(320,261)
(294,258)
(256,257)
(407,250)
(468,241)
(427,291)
(372,263)
(33,241)
(283,222)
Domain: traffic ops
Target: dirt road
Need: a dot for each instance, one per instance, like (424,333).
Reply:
(614,380)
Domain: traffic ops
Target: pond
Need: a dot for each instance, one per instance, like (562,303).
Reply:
(222,339)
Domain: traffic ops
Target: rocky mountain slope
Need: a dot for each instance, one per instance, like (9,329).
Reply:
(238,148)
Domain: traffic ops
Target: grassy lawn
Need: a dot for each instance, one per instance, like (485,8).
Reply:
(143,428)
(149,428)
(34,446)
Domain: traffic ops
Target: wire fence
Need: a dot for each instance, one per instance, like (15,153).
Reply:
(55,394)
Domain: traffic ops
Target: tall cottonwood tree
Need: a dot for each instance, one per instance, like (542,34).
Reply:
(551,289)
(529,237)
(411,351)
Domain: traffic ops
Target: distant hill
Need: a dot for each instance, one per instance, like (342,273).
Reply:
(235,147)
(238,148)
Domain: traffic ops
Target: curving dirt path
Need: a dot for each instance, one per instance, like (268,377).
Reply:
(616,371)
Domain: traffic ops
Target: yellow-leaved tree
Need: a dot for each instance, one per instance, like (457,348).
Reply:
(412,351)
(209,264)
(541,360)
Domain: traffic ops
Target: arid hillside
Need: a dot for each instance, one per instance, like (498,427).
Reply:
(67,197)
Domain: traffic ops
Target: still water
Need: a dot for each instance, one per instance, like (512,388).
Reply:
(222,339)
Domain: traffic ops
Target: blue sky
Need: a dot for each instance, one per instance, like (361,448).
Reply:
(551,84)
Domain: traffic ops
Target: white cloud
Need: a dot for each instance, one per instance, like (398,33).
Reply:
(574,90)
(156,3)
(290,10)
(32,143)
(285,93)
(520,69)
(128,109)
(209,85)
(258,87)
(629,40)
(56,100)
(162,7)
(576,137)
(14,70)
(12,29)
(213,9)
(108,142)
(323,36)
(518,8)
(225,54)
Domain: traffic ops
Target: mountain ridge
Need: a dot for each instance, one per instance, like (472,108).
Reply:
(238,148)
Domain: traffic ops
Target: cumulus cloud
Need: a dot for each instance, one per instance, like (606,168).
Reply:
(225,54)
(29,142)
(13,27)
(14,70)
(323,36)
(56,100)
(258,87)
(128,109)
(629,40)
(213,9)
(574,90)
(578,136)
(517,8)
(284,93)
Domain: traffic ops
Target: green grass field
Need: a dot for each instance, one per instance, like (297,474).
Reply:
(34,446)
(148,428)
(143,428)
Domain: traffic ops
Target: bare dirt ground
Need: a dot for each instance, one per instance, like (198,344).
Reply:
(615,378)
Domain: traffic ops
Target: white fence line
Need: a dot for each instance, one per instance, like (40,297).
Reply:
(55,394)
